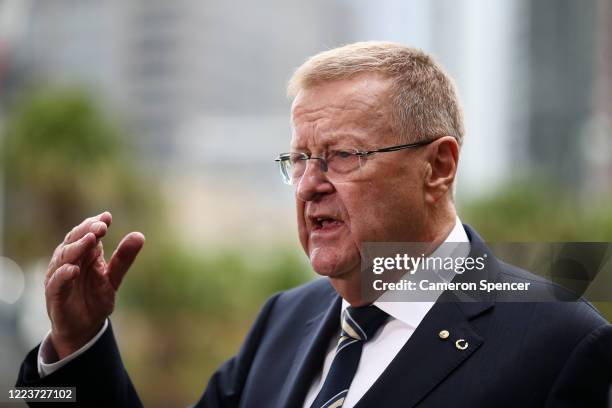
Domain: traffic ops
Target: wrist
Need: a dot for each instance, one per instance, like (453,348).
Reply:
(65,345)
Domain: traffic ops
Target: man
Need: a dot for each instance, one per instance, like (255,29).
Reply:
(377,130)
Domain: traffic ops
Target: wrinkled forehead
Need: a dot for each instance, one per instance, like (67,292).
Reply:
(357,108)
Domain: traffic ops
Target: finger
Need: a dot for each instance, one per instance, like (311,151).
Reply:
(73,253)
(123,257)
(98,225)
(99,267)
(92,255)
(70,253)
(61,280)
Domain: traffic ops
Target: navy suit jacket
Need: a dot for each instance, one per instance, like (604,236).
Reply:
(546,354)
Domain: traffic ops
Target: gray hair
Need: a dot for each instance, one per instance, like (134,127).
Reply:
(424,98)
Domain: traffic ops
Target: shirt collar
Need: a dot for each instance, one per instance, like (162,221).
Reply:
(412,313)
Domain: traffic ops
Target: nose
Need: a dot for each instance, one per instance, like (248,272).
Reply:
(314,182)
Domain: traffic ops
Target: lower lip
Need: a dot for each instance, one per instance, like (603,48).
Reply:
(328,229)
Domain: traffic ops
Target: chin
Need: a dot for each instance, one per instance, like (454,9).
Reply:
(331,262)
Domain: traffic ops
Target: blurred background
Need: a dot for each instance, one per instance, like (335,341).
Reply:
(169,114)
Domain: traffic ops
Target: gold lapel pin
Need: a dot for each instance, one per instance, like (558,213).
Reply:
(461,344)
(443,334)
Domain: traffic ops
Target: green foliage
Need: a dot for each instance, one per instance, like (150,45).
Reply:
(532,212)
(171,279)
(528,211)
(56,132)
(63,160)
(197,306)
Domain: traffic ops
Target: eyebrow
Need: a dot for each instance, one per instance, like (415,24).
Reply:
(336,137)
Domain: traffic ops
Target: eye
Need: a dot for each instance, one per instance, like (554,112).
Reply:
(296,158)
(343,161)
(343,154)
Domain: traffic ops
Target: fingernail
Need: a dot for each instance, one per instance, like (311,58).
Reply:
(98,227)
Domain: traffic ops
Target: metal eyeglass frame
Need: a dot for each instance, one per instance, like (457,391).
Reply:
(307,156)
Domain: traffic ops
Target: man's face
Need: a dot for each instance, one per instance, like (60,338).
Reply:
(381,201)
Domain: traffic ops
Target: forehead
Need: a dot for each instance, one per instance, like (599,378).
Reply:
(358,108)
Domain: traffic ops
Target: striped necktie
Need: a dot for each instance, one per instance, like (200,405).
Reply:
(358,325)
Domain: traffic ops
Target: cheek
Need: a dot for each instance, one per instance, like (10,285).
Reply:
(366,208)
(383,212)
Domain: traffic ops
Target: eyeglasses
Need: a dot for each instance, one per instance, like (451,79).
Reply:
(338,164)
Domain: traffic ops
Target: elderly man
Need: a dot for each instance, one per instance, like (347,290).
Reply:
(377,131)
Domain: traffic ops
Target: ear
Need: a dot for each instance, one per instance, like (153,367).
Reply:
(442,162)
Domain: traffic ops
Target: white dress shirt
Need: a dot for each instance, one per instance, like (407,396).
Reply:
(381,349)
(47,356)
(376,355)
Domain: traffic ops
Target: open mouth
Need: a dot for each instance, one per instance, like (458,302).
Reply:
(325,223)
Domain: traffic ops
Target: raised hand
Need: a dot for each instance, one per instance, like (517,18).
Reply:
(80,286)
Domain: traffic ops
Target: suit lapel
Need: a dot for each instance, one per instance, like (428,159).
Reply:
(426,359)
(310,354)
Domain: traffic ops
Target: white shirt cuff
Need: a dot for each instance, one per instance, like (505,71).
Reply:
(47,356)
